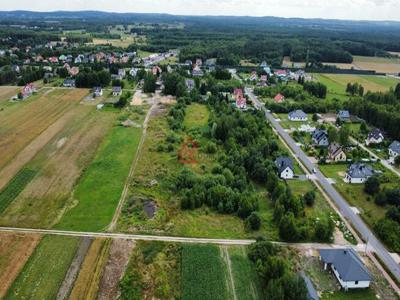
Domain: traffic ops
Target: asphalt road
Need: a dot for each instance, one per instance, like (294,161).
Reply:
(367,235)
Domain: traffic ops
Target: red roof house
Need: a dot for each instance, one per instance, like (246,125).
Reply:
(279,98)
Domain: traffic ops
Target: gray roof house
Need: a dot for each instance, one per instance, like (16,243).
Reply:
(344,115)
(116,90)
(69,83)
(320,138)
(311,292)
(394,150)
(297,115)
(375,137)
(358,173)
(189,84)
(285,167)
(347,266)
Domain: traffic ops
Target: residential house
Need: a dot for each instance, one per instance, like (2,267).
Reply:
(199,62)
(374,137)
(189,84)
(312,293)
(197,72)
(211,62)
(343,115)
(394,151)
(28,90)
(69,83)
(347,266)
(62,58)
(188,63)
(336,153)
(281,74)
(358,173)
(306,128)
(116,91)
(279,98)
(240,100)
(73,71)
(297,115)
(320,138)
(133,72)
(264,64)
(97,91)
(264,78)
(156,70)
(253,76)
(122,73)
(53,60)
(285,167)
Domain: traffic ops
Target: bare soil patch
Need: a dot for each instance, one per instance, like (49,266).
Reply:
(118,260)
(188,151)
(15,249)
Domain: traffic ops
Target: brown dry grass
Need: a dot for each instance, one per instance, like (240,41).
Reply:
(15,249)
(20,125)
(87,284)
(42,202)
(119,257)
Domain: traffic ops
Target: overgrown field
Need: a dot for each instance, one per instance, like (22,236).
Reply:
(15,250)
(204,274)
(42,275)
(7,92)
(99,189)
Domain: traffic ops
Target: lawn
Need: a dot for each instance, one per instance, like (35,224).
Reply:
(196,116)
(45,270)
(203,273)
(98,192)
(354,193)
(247,285)
(362,294)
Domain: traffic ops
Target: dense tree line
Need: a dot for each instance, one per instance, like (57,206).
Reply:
(381,110)
(89,78)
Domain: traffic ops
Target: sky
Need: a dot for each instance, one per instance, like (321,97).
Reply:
(327,9)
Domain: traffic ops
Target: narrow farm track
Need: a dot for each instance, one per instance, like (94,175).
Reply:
(225,255)
(124,194)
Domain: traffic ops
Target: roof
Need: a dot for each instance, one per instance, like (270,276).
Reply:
(311,292)
(375,134)
(279,97)
(334,148)
(360,170)
(97,88)
(283,162)
(347,263)
(395,147)
(116,89)
(343,114)
(297,114)
(319,134)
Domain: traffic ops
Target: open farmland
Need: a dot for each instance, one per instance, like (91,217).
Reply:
(42,275)
(204,273)
(21,123)
(371,63)
(337,83)
(86,285)
(57,167)
(7,92)
(97,193)
(15,250)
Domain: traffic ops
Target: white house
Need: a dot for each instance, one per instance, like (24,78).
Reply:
(285,167)
(358,173)
(394,151)
(347,266)
(297,115)
(97,91)
(116,91)
(374,137)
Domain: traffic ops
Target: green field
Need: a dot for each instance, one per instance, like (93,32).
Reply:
(203,273)
(99,190)
(362,294)
(247,286)
(45,270)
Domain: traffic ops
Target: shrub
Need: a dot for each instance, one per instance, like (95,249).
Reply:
(253,222)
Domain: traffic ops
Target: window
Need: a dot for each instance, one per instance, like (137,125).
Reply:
(356,282)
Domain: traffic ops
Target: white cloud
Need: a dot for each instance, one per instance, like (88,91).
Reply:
(338,9)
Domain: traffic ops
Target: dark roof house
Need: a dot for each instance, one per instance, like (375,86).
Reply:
(283,162)
(343,115)
(395,147)
(347,266)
